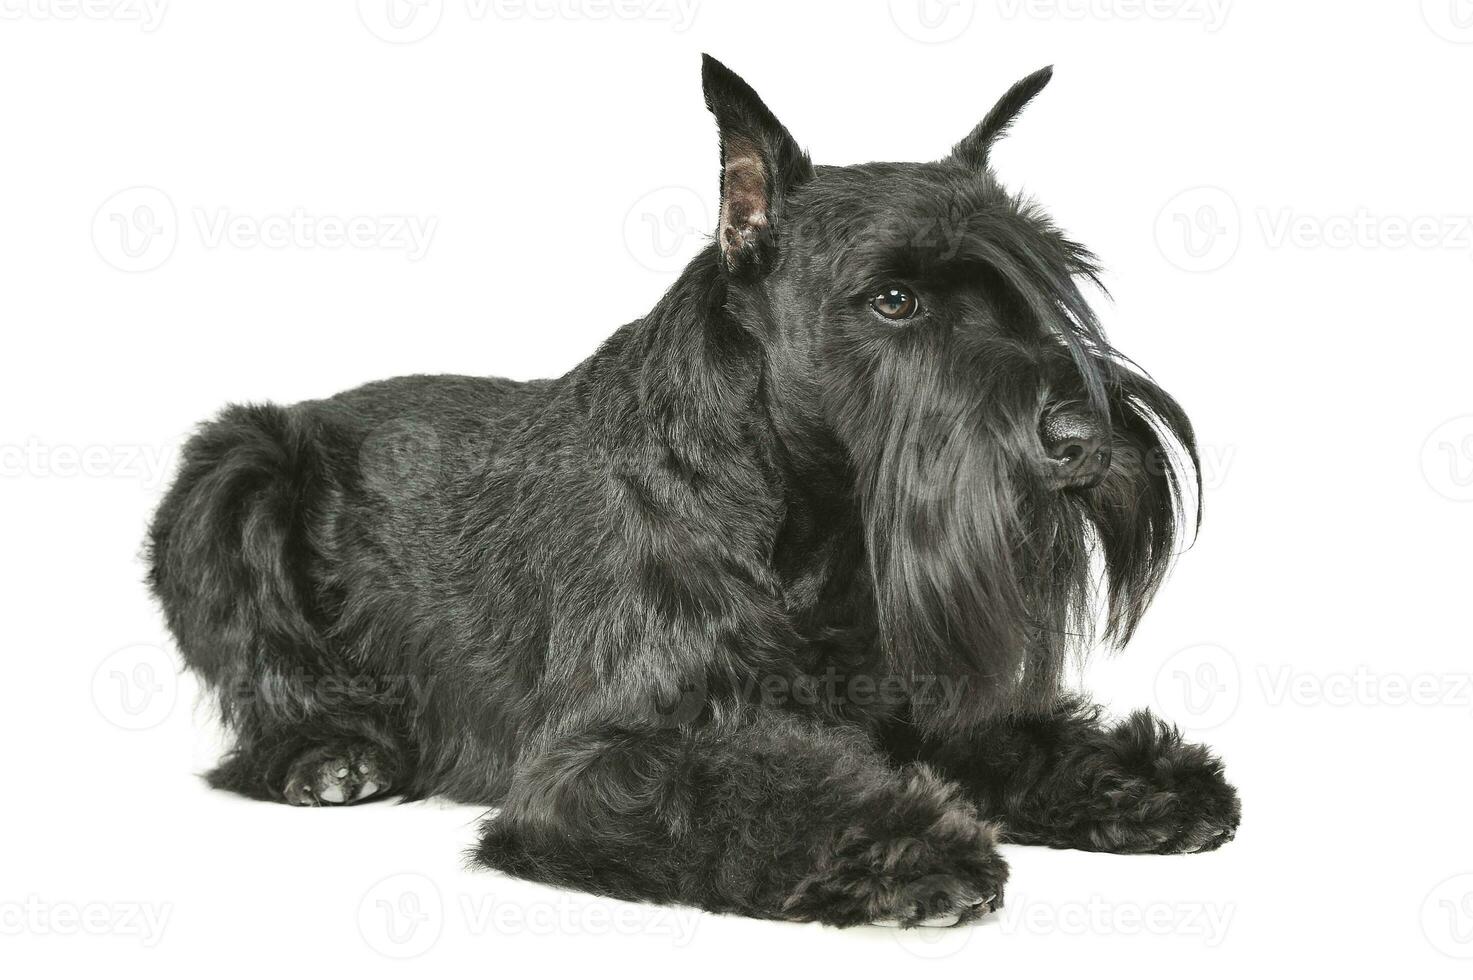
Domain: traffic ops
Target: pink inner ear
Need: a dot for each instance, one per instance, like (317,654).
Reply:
(744,197)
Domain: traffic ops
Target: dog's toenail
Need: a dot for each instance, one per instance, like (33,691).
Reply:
(343,772)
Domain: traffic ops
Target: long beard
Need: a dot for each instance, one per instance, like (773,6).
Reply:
(989,581)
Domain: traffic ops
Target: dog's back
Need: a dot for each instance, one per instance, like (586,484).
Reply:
(446,565)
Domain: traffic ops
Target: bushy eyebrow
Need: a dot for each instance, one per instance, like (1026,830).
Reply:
(1041,268)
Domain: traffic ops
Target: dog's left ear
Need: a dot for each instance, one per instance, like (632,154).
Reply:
(972,151)
(760,164)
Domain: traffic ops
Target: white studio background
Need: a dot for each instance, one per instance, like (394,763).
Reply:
(209,202)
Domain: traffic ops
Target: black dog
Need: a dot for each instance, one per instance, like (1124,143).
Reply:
(764,607)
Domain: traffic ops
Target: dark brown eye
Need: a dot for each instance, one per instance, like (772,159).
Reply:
(895,303)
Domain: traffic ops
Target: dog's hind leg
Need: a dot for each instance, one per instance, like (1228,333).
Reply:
(1063,779)
(231,562)
(769,816)
(307,765)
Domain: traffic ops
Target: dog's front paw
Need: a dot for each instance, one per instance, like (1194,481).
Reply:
(929,861)
(1142,790)
(332,775)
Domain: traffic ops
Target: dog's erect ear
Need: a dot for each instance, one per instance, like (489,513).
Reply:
(973,150)
(760,164)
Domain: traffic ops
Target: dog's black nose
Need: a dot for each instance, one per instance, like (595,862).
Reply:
(1077,448)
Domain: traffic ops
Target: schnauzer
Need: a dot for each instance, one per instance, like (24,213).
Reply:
(767,606)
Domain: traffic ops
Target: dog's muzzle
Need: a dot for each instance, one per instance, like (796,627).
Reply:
(1076,447)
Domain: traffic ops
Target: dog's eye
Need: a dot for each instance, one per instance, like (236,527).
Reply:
(895,303)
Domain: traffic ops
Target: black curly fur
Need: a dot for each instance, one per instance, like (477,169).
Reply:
(762,608)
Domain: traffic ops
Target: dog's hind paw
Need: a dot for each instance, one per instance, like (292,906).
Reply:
(335,775)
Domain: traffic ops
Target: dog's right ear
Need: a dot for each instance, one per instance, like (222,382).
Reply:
(760,164)
(973,150)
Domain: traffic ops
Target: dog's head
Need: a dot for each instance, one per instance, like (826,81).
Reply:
(1009,463)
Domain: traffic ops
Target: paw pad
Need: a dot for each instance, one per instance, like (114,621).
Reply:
(335,776)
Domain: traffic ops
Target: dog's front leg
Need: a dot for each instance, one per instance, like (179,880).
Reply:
(769,816)
(1063,779)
